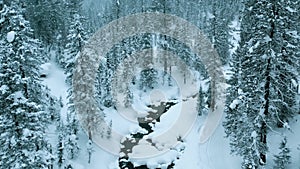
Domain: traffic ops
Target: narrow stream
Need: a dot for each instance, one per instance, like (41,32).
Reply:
(144,122)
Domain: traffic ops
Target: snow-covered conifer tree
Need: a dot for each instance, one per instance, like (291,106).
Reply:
(283,158)
(262,95)
(75,42)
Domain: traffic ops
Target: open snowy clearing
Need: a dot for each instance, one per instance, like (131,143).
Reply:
(213,154)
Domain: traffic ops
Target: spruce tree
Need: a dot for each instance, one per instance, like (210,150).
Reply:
(218,28)
(148,79)
(71,137)
(200,101)
(128,97)
(75,41)
(76,37)
(261,94)
(60,149)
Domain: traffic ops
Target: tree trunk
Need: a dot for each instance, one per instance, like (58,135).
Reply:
(263,137)
(267,90)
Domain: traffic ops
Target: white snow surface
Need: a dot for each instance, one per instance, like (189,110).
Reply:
(46,68)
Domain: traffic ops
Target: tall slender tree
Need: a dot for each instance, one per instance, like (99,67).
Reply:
(76,39)
(264,95)
(75,42)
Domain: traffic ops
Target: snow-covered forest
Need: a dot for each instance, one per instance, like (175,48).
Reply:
(154,95)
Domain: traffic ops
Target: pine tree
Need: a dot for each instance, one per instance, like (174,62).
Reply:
(75,42)
(76,38)
(53,108)
(283,158)
(60,153)
(287,51)
(128,97)
(71,137)
(23,107)
(218,29)
(200,102)
(109,130)
(261,95)
(103,85)
(148,79)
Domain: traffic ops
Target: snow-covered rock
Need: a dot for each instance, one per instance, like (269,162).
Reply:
(254,134)
(286,125)
(234,104)
(45,69)
(11,36)
(290,9)
(3,89)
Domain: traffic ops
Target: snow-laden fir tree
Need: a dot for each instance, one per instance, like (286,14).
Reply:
(75,42)
(103,85)
(60,149)
(218,28)
(283,158)
(148,79)
(53,108)
(128,97)
(71,137)
(262,95)
(200,101)
(76,37)
(22,100)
